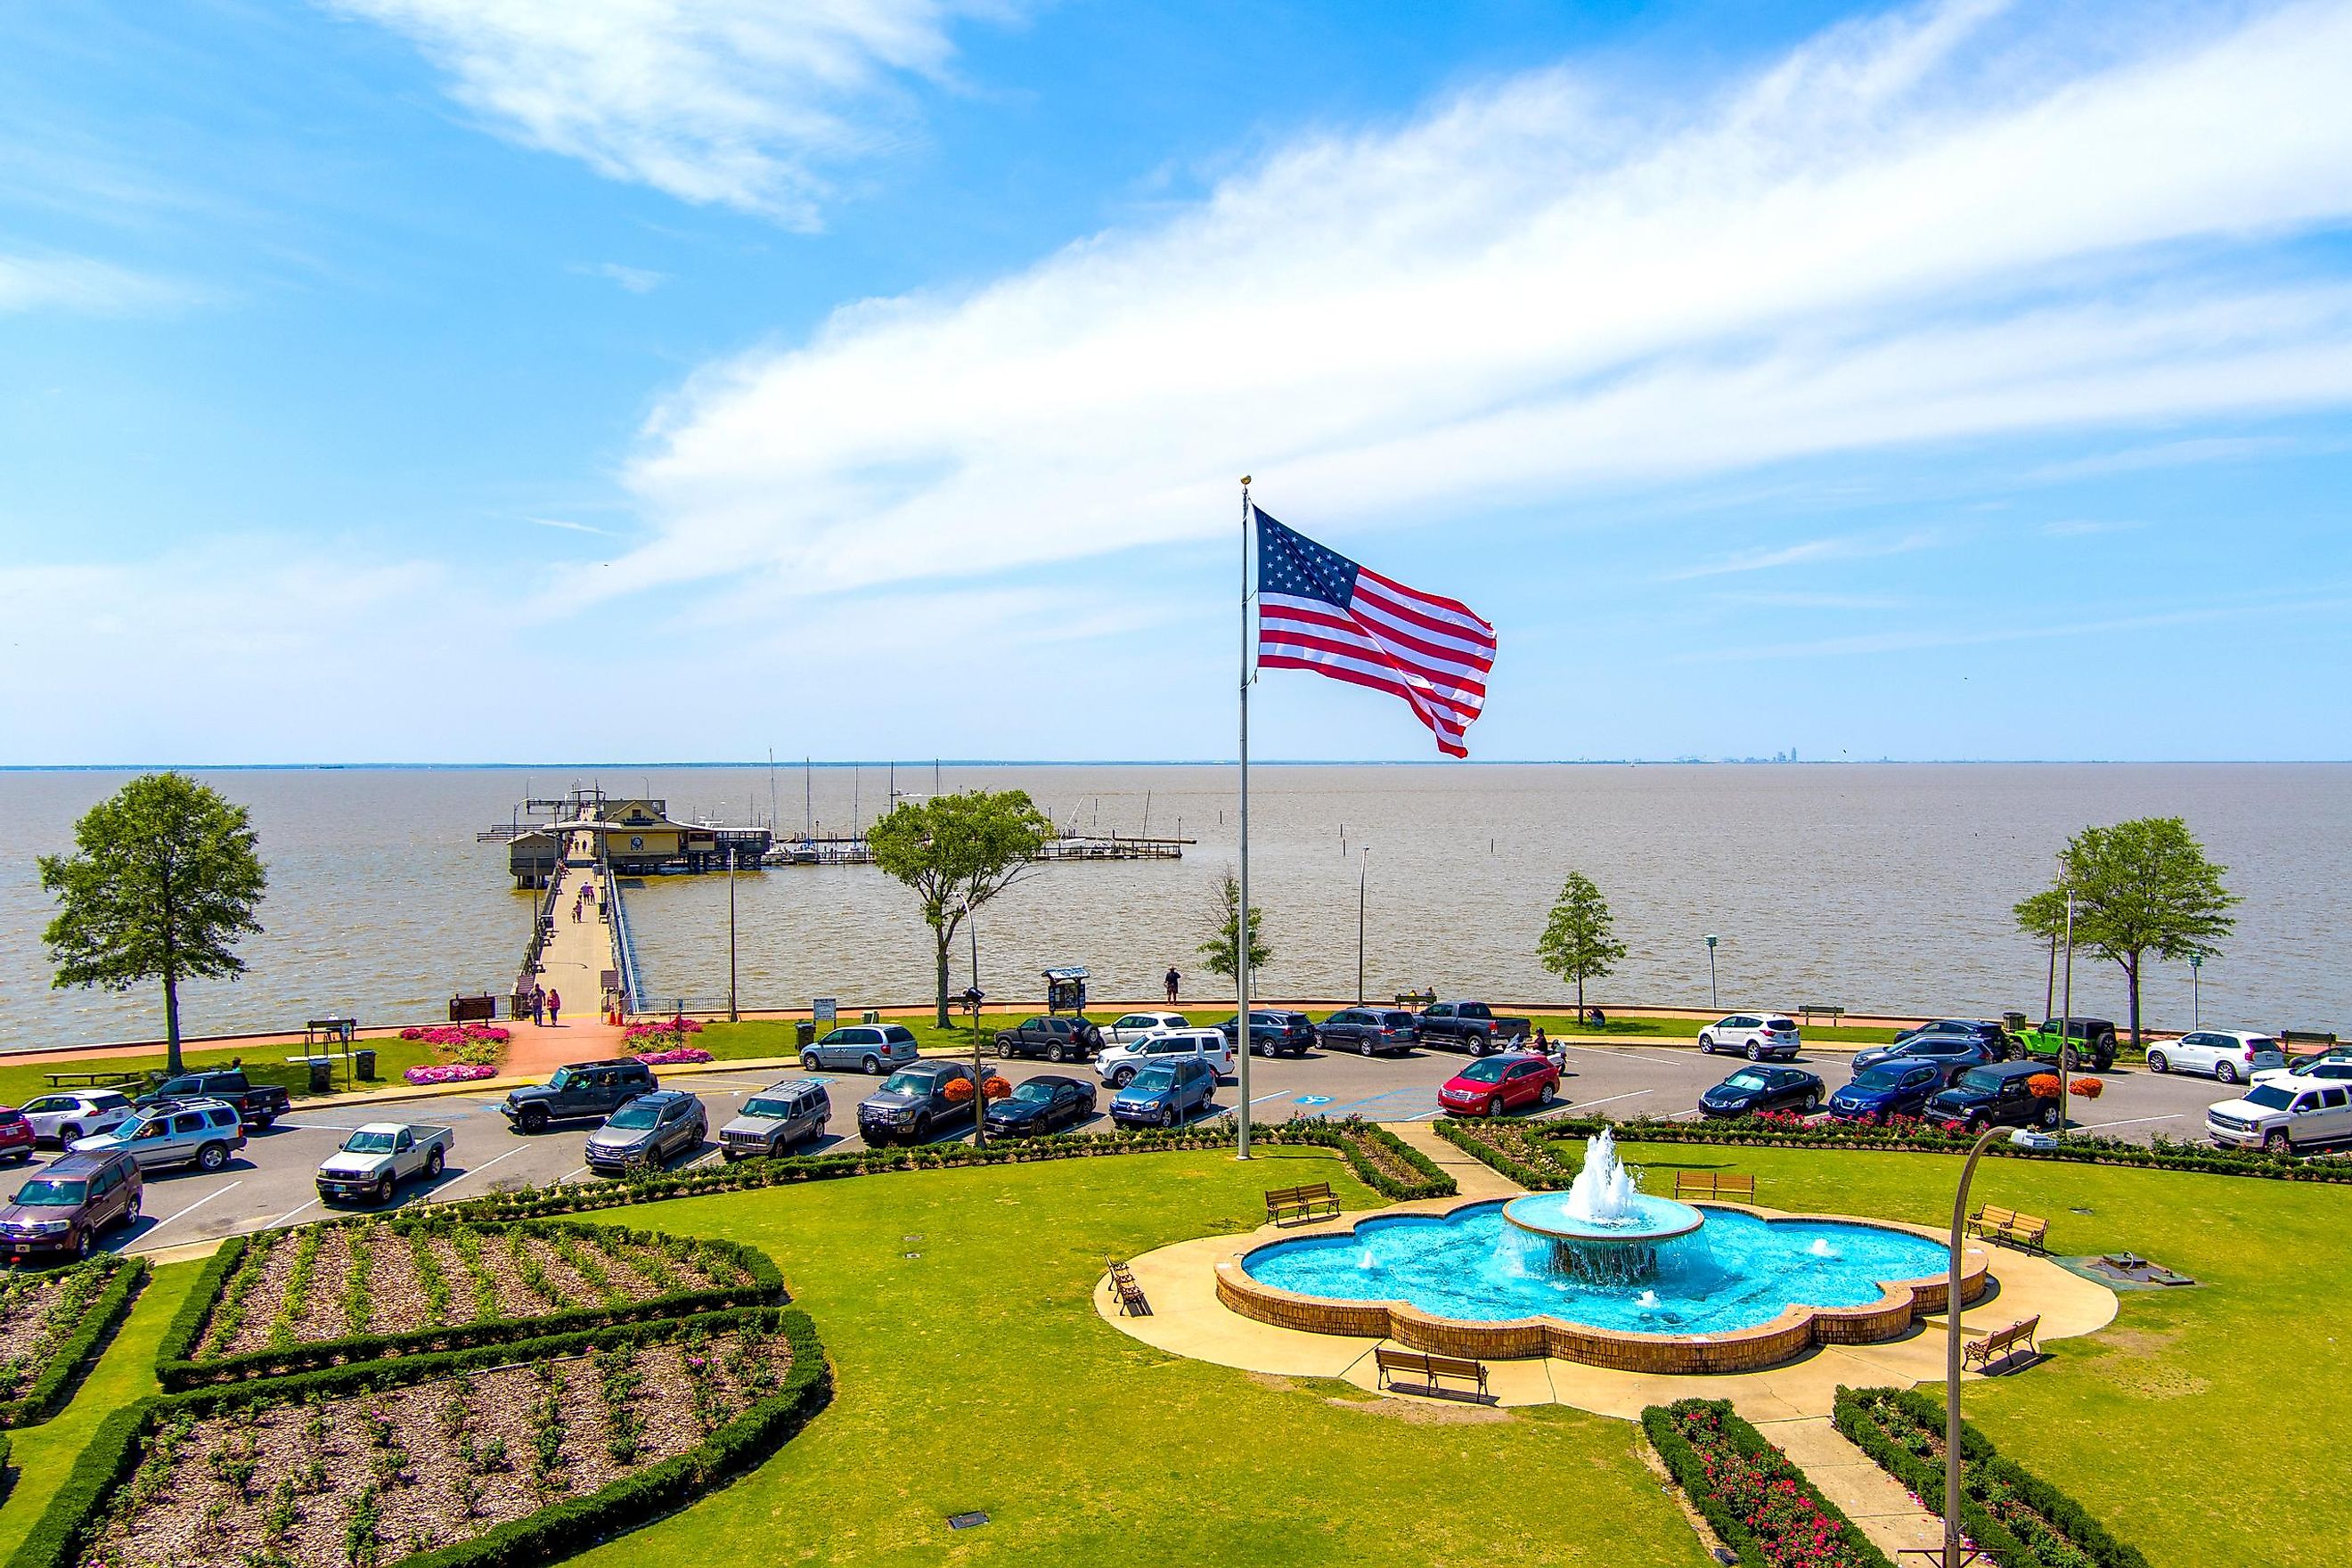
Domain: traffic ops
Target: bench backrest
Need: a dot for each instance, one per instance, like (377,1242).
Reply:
(1988,1214)
(1299,1194)
(1712,1183)
(1453,1365)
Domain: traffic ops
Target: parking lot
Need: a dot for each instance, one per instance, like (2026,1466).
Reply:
(269,1183)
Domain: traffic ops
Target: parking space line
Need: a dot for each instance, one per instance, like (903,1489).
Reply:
(192,1207)
(1278,1094)
(483,1166)
(1631,1051)
(2134,1121)
(290,1214)
(1587,1105)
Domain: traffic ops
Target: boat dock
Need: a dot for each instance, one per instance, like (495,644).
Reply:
(628,838)
(852,849)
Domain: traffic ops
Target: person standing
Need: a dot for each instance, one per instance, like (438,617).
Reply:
(554,1007)
(537,1003)
(1174,979)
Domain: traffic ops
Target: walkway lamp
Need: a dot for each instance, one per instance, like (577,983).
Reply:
(731,934)
(2066,1018)
(1363,867)
(1711,1002)
(2196,992)
(1952,1558)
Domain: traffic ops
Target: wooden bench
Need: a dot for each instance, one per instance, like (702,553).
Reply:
(1727,1185)
(1132,1303)
(1429,1369)
(101,1079)
(2001,1343)
(2029,1231)
(2306,1042)
(1316,1201)
(1832,1013)
(1416,998)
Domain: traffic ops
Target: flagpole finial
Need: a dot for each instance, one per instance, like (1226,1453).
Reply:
(1245,478)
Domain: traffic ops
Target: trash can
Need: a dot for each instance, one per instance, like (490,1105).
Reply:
(365,1062)
(322,1075)
(804,1033)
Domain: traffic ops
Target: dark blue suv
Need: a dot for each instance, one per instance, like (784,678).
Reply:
(1899,1086)
(1166,1093)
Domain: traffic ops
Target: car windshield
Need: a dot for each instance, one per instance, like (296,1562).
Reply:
(368,1144)
(562,1079)
(47,1193)
(1034,1090)
(2270,1096)
(635,1117)
(1490,1070)
(1155,1078)
(908,1083)
(1983,1079)
(1747,1080)
(773,1110)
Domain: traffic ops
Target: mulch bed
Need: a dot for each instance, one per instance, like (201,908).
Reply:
(35,1316)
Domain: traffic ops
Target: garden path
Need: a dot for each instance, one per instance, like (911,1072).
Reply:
(1473,1177)
(574,963)
(1875,1500)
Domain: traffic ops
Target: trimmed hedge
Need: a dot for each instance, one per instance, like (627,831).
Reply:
(1660,1422)
(1989,1484)
(58,1378)
(79,1507)
(176,1368)
(1512,1149)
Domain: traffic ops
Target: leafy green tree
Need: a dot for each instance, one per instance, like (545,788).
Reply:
(1224,929)
(2140,887)
(1579,942)
(957,852)
(163,882)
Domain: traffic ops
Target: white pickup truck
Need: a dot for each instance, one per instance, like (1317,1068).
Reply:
(381,1155)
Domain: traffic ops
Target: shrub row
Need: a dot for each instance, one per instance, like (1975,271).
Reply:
(2081,1148)
(177,1367)
(2017,1518)
(79,1507)
(62,1371)
(1770,1514)
(1513,1148)
(1351,1139)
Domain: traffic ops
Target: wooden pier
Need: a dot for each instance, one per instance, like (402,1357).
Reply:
(852,849)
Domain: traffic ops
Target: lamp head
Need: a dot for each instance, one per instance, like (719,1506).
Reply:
(1712,940)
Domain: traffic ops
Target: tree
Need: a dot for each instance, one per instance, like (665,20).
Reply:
(163,882)
(957,852)
(1579,942)
(1225,933)
(2140,887)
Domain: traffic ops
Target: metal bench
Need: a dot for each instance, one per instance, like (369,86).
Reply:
(1728,1184)
(1428,1370)
(1416,998)
(2306,1042)
(1132,1303)
(1832,1013)
(103,1077)
(1314,1201)
(2001,1343)
(2030,1232)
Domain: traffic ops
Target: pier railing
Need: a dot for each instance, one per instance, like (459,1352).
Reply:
(624,941)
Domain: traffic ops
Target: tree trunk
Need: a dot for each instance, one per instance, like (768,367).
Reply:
(171,1026)
(1580,1001)
(944,935)
(2131,981)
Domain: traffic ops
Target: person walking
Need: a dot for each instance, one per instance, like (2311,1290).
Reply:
(538,1005)
(554,1007)
(1174,979)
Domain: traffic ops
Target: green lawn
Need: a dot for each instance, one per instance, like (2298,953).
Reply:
(263,1064)
(2181,1425)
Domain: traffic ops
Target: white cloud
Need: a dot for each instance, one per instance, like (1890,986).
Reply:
(2175,455)
(77,283)
(741,103)
(2083,527)
(635,279)
(1949,224)
(1813,553)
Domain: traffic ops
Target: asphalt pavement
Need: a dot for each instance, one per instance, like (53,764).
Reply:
(270,1182)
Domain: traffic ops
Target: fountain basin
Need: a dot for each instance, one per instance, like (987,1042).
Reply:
(1647,1219)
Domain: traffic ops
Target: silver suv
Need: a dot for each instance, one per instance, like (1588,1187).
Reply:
(199,1133)
(870,1049)
(776,1118)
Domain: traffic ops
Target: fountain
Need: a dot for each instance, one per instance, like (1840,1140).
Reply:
(1604,1227)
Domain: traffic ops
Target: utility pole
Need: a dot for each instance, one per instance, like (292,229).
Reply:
(731,934)
(1363,868)
(2066,1021)
(1711,1002)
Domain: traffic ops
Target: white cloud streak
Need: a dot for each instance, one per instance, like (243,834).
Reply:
(742,103)
(77,284)
(635,279)
(1947,224)
(1811,553)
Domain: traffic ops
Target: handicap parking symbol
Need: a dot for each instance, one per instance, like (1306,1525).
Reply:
(1312,1099)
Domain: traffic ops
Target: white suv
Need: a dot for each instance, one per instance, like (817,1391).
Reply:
(1758,1037)
(63,1119)
(2232,1056)
(2281,1116)
(2310,1069)
(1135,1026)
(1118,1065)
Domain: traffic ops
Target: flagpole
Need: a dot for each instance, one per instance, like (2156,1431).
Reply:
(1241,921)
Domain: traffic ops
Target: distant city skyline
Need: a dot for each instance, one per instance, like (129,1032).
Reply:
(398,380)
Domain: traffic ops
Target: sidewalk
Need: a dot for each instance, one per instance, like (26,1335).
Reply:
(1875,1500)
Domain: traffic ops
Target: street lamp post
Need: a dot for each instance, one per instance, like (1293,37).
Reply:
(2196,992)
(730,933)
(1952,1355)
(1711,1002)
(2066,1018)
(1362,868)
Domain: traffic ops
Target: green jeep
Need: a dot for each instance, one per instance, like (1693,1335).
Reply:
(2084,1041)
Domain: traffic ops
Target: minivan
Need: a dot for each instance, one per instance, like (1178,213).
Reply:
(868,1048)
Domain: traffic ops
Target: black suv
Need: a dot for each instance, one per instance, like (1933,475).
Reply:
(61,1211)
(258,1104)
(1371,1030)
(577,1090)
(1275,1033)
(1062,1039)
(1995,1094)
(917,1101)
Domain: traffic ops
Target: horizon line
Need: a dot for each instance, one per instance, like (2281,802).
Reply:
(1684,761)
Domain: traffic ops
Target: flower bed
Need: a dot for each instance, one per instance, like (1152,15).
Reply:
(502,1454)
(450,1072)
(50,1323)
(354,1290)
(673,1055)
(664,1035)
(1755,1500)
(478,1045)
(2019,1520)
(1513,1148)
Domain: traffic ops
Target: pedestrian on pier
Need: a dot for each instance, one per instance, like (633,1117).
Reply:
(554,1007)
(1174,979)
(537,1003)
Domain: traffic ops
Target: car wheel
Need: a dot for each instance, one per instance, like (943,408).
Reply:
(1167,1117)
(2156,1064)
(261,1123)
(1057,1052)
(1755,1052)
(1546,1095)
(1494,1106)
(808,1061)
(384,1190)
(921,1131)
(1978,1124)
(131,1215)
(1365,1047)
(2050,1116)
(1812,1101)
(81,1244)
(871,1067)
(2278,1143)
(534,1121)
(68,1133)
(1122,1077)
(433,1163)
(1262,1047)
(212,1157)
(2074,1059)
(2225,1072)
(1707,1043)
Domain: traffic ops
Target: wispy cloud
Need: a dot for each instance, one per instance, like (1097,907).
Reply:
(635,279)
(2175,455)
(2083,527)
(743,103)
(1950,223)
(79,284)
(1812,552)
(568,525)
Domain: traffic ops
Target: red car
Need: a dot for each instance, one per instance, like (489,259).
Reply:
(1492,1085)
(15,1135)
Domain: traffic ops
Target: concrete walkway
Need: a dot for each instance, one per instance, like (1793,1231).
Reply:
(1874,1500)
(572,965)
(1473,1177)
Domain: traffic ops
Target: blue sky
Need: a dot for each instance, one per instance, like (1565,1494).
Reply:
(469,380)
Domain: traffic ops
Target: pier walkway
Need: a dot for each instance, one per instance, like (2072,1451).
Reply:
(572,963)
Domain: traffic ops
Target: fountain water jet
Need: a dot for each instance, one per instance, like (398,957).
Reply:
(1603,1228)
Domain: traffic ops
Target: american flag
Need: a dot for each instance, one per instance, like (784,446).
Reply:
(1318,610)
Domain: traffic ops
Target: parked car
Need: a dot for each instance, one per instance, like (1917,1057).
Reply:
(914,1101)
(2093,1041)
(1759,1089)
(778,1117)
(1994,1094)
(62,1119)
(258,1104)
(1118,1065)
(1494,1085)
(869,1049)
(16,1136)
(199,1133)
(1275,1033)
(1370,1031)
(1470,1027)
(1899,1086)
(1058,1040)
(2283,1117)
(575,1091)
(379,1156)
(2310,1070)
(1166,1093)
(1989,1033)
(1758,1037)
(1952,1054)
(649,1130)
(2228,1056)
(62,1210)
(1135,1026)
(1040,1105)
